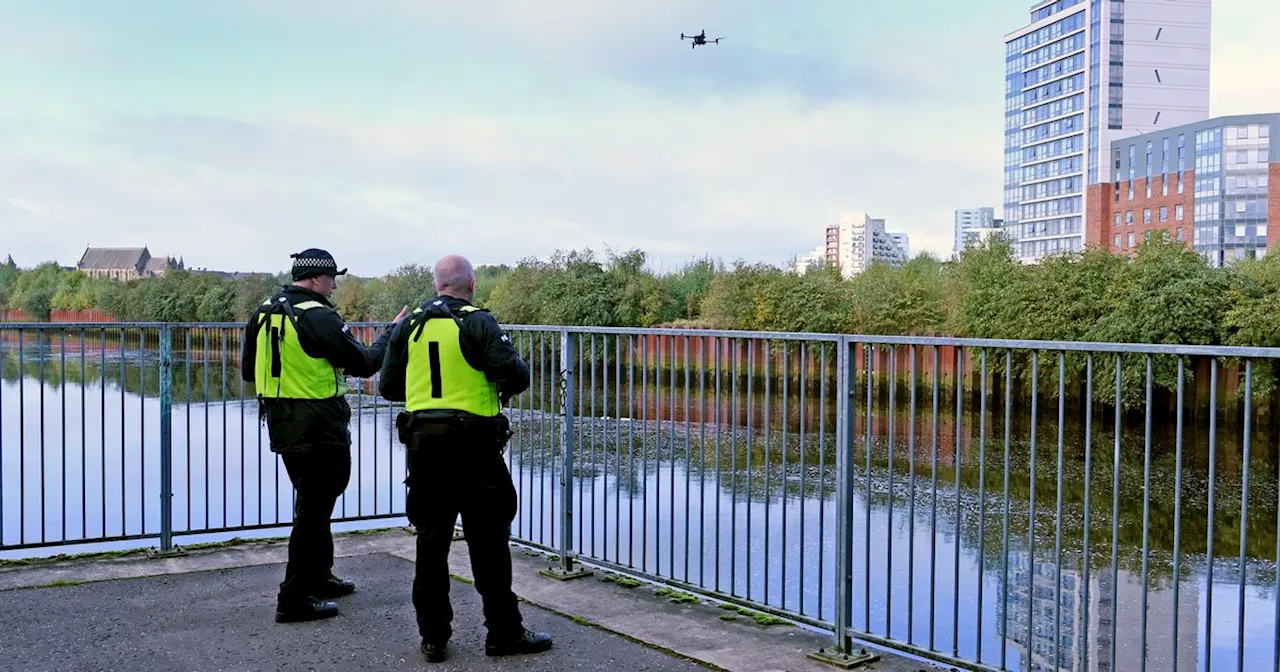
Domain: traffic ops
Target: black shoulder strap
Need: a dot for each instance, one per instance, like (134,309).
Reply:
(435,308)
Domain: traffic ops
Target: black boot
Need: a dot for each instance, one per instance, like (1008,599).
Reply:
(333,587)
(294,609)
(527,642)
(436,652)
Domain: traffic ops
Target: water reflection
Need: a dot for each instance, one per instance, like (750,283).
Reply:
(727,481)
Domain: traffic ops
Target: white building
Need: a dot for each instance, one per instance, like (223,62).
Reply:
(855,243)
(967,219)
(1081,74)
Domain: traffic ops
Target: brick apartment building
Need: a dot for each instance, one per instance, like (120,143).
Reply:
(1213,184)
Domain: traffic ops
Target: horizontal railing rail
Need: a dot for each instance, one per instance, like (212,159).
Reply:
(991,504)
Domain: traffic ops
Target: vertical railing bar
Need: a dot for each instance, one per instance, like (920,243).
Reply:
(957,456)
(4,333)
(768,467)
(166,439)
(187,413)
(933,515)
(847,385)
(62,397)
(688,462)
(888,549)
(719,341)
(785,421)
(982,500)
(595,425)
(1177,515)
(84,442)
(735,349)
(1115,510)
(1088,504)
(617,446)
(644,451)
(1146,520)
(871,351)
(44,523)
(804,423)
(567,447)
(911,504)
(1031,498)
(142,429)
(702,469)
(22,441)
(822,466)
(1244,506)
(102,414)
(671,482)
(631,462)
(204,358)
(224,426)
(124,383)
(578,453)
(1008,435)
(544,444)
(1212,505)
(242,441)
(1057,599)
(751,413)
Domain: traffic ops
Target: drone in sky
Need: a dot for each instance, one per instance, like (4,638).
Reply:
(700,38)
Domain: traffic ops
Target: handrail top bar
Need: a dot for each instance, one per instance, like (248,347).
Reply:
(850,339)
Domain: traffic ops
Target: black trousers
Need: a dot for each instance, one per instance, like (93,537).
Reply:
(462,473)
(319,475)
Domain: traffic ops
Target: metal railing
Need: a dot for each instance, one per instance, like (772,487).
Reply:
(954,499)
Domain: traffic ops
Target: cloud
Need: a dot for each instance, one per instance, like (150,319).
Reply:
(731,179)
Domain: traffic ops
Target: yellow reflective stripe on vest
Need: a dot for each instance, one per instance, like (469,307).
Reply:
(438,376)
(283,369)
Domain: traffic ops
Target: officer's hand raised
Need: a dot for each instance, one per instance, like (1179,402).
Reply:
(403,312)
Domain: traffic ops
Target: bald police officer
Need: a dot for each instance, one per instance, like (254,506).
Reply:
(455,369)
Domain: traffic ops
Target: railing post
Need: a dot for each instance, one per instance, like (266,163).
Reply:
(842,654)
(166,444)
(568,567)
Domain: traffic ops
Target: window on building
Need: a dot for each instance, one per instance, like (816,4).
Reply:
(1116,242)
(1178,212)
(1242,157)
(1262,180)
(1264,155)
(1180,232)
(1164,185)
(1146,216)
(1164,213)
(1128,218)
(1148,187)
(1132,239)
(1117,219)
(1180,183)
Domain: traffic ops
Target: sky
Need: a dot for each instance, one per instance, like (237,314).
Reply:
(235,132)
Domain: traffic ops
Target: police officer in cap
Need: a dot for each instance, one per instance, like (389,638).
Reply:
(297,351)
(455,369)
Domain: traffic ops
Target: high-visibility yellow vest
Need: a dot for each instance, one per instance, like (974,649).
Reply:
(282,369)
(437,376)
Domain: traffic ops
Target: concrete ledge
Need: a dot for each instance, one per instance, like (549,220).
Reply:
(714,635)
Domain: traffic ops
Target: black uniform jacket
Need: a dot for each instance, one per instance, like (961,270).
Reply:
(484,345)
(301,424)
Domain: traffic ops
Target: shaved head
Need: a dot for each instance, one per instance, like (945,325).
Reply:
(453,276)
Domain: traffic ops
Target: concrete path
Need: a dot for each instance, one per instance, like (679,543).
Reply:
(222,620)
(213,610)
